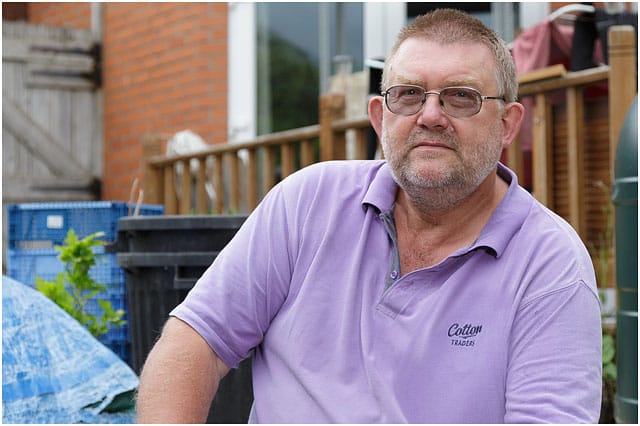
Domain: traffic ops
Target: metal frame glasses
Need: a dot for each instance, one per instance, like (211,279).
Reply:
(459,102)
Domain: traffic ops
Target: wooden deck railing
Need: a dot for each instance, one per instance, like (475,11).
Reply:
(241,173)
(564,137)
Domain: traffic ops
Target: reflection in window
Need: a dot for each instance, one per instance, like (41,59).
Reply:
(295,41)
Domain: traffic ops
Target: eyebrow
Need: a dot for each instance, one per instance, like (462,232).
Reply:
(453,82)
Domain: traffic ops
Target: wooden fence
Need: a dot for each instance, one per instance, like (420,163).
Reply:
(571,157)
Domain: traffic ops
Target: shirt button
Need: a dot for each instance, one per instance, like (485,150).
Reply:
(394,275)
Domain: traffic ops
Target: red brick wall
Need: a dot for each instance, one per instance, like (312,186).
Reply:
(164,70)
(74,15)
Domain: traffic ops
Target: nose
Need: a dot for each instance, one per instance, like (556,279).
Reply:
(431,115)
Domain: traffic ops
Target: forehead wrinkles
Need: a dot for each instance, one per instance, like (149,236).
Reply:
(406,65)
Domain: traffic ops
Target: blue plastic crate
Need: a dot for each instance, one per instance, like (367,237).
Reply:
(35,228)
(26,265)
(40,226)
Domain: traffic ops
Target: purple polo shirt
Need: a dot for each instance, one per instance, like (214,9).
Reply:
(504,330)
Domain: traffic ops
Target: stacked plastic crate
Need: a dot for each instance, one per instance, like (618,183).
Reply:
(34,230)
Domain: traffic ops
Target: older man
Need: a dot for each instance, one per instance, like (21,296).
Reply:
(426,288)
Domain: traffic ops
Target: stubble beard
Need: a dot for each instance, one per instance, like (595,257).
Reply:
(440,184)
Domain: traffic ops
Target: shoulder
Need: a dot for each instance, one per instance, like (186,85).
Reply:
(330,178)
(339,170)
(554,251)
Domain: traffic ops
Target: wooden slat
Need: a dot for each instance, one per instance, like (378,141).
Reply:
(332,107)
(152,145)
(234,183)
(287,159)
(306,153)
(40,141)
(185,188)
(514,157)
(576,78)
(542,151)
(622,82)
(575,158)
(540,74)
(268,170)
(218,182)
(360,152)
(202,203)
(170,201)
(252,179)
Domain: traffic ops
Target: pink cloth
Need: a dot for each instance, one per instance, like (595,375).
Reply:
(542,45)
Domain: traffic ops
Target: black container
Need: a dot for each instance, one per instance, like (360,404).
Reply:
(163,256)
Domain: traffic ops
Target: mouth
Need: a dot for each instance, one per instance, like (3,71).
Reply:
(433,146)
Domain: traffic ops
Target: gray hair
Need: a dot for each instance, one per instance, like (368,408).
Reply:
(449,26)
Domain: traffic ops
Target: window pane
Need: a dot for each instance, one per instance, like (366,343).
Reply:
(289,58)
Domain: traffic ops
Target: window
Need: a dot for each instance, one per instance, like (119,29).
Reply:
(297,45)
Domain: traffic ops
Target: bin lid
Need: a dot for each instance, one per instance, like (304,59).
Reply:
(141,223)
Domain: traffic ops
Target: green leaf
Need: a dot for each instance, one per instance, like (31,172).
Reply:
(610,372)
(608,349)
(74,287)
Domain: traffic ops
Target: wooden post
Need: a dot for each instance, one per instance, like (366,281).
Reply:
(218,182)
(306,153)
(332,107)
(202,204)
(234,182)
(575,159)
(152,176)
(622,82)
(514,157)
(185,187)
(542,151)
(361,144)
(287,159)
(252,180)
(268,169)
(170,200)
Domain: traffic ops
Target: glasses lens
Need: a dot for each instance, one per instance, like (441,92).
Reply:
(405,100)
(461,101)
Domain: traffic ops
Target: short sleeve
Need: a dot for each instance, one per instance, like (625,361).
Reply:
(233,303)
(555,369)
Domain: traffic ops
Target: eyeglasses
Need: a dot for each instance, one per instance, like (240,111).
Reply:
(459,102)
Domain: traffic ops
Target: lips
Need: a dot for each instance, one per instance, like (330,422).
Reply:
(433,145)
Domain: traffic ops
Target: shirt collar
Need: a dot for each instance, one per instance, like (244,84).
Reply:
(508,217)
(382,191)
(505,221)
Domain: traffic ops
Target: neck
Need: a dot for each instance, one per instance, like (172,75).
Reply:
(449,215)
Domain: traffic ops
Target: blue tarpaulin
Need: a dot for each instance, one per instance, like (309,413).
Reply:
(53,369)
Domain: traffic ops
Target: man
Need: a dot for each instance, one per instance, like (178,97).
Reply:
(427,288)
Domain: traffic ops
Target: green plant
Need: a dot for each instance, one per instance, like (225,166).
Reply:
(604,249)
(609,370)
(74,287)
(609,376)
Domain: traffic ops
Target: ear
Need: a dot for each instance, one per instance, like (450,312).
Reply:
(511,120)
(375,113)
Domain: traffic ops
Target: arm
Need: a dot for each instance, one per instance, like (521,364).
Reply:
(556,360)
(180,377)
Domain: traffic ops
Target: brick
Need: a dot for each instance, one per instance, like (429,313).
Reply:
(164,70)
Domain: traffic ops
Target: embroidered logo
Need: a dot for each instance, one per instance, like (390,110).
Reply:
(463,335)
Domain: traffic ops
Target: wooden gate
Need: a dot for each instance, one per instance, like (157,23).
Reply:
(51,119)
(51,116)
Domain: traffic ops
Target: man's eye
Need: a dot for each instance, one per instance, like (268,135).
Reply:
(409,92)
